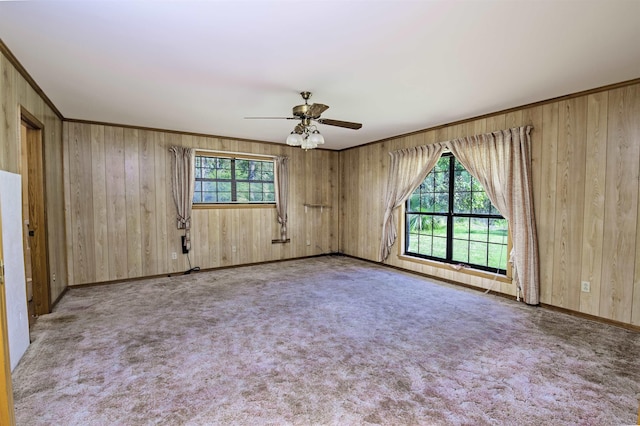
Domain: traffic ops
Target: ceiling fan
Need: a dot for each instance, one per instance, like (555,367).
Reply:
(306,134)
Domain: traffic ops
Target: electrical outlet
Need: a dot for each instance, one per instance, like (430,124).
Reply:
(234,249)
(54,277)
(174,255)
(586,286)
(308,242)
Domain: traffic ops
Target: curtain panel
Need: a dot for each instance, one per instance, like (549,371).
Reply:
(183,185)
(281,176)
(501,162)
(407,170)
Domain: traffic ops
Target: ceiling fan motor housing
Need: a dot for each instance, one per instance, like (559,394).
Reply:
(300,110)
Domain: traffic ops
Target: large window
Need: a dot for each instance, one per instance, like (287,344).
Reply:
(450,218)
(225,180)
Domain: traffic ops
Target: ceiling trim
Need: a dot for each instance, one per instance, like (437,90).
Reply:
(25,74)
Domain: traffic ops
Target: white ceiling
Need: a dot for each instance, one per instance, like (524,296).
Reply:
(395,66)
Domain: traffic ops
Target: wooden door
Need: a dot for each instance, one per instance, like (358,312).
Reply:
(26,243)
(35,222)
(6,390)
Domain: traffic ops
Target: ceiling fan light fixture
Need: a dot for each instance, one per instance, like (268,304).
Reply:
(308,143)
(316,138)
(294,139)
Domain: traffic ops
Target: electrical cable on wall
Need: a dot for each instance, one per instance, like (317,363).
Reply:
(191,268)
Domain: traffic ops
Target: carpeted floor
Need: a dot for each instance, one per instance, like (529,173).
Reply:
(328,340)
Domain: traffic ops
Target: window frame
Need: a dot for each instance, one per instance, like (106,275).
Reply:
(234,204)
(503,275)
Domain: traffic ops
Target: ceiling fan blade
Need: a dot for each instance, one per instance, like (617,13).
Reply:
(346,124)
(272,118)
(315,110)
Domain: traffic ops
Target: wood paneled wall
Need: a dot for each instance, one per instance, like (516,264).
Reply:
(16,93)
(585,165)
(121,220)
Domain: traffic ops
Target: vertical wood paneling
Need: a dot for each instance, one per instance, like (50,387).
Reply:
(10,152)
(82,234)
(116,202)
(99,191)
(148,222)
(132,203)
(545,220)
(162,204)
(621,204)
(66,159)
(596,164)
(570,202)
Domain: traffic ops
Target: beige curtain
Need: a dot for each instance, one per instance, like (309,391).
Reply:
(183,181)
(407,170)
(281,176)
(501,162)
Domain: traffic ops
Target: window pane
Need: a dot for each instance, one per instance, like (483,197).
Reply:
(243,197)
(255,187)
(441,203)
(269,197)
(224,186)
(427,203)
(476,186)
(242,169)
(462,202)
(267,171)
(224,197)
(463,180)
(443,164)
(209,186)
(479,229)
(460,251)
(439,247)
(197,197)
(478,253)
(480,203)
(254,170)
(439,226)
(209,197)
(441,182)
(498,231)
(497,256)
(461,228)
(242,186)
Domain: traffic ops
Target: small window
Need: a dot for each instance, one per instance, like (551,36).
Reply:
(233,180)
(450,218)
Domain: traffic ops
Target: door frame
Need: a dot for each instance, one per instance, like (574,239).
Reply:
(37,210)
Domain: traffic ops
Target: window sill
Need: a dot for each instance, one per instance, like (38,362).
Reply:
(235,206)
(463,270)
